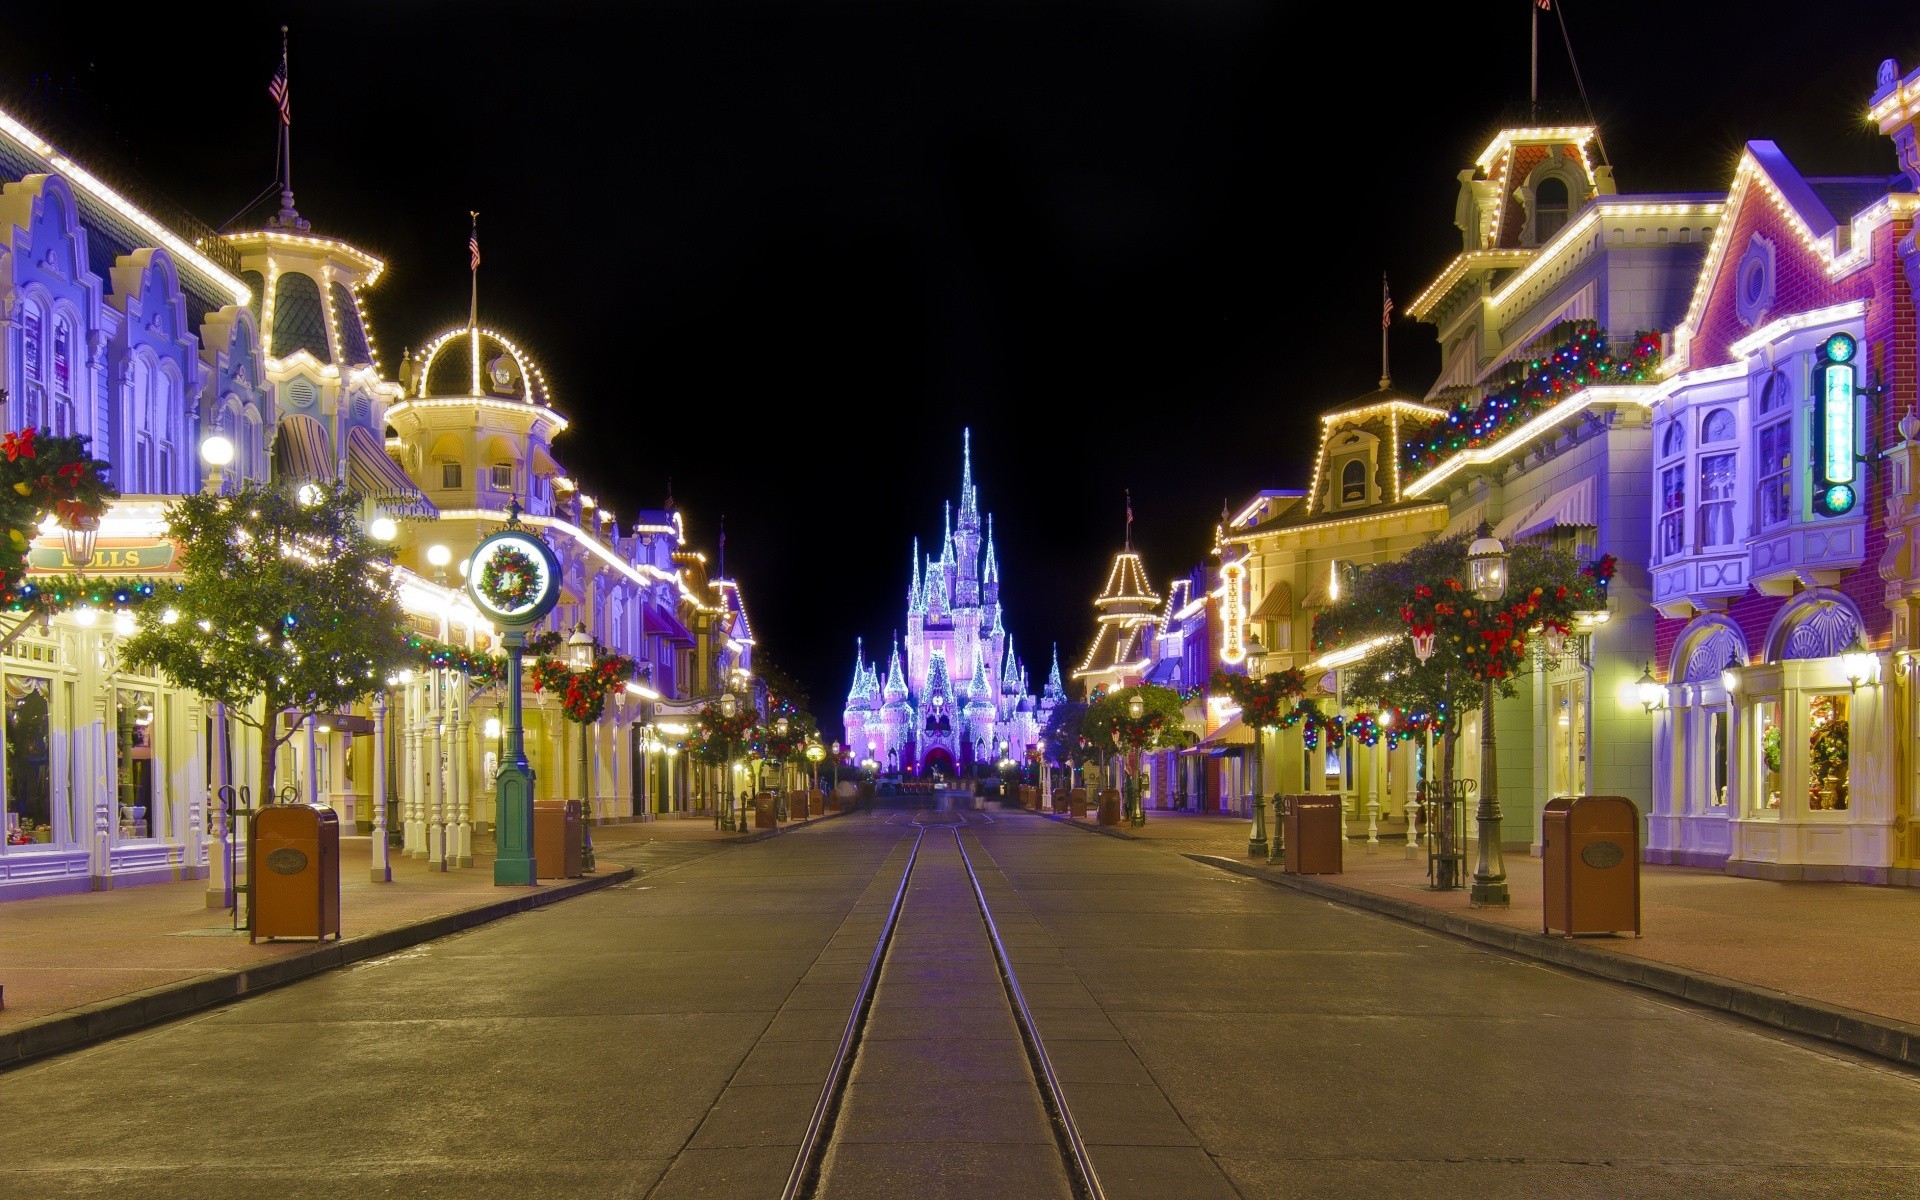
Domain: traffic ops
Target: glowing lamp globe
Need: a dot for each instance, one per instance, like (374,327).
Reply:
(217,450)
(1487,568)
(384,529)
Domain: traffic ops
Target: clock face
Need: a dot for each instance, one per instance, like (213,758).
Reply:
(514,578)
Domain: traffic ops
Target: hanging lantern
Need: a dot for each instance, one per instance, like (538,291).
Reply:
(1423,645)
(77,534)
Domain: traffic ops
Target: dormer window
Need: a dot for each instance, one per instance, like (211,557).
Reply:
(1550,205)
(1353,483)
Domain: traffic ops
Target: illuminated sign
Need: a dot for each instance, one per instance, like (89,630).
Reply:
(1834,491)
(1233,612)
(111,556)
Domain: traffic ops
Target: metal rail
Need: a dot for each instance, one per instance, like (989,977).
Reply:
(806,1164)
(1085,1180)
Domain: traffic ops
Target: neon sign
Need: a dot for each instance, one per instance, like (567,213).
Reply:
(1233,610)
(1834,492)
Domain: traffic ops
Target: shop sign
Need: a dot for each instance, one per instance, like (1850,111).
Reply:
(1834,491)
(111,556)
(1233,612)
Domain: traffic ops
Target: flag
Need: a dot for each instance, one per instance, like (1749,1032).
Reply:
(1386,304)
(278,90)
(1544,5)
(473,250)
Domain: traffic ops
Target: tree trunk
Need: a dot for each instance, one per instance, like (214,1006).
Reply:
(269,746)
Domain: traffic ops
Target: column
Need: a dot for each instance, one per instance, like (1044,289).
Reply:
(313,762)
(219,844)
(437,775)
(415,830)
(462,849)
(381,869)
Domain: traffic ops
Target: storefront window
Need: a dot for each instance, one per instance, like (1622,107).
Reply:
(1716,500)
(1673,514)
(1567,737)
(1718,798)
(1767,721)
(1827,752)
(29,768)
(134,734)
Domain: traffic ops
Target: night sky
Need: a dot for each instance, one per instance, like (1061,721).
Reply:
(783,252)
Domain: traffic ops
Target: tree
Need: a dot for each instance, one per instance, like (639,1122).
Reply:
(1062,735)
(281,602)
(1427,591)
(1162,722)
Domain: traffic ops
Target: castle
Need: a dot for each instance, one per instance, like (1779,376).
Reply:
(958,695)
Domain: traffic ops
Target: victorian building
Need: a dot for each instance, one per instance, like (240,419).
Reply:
(955,695)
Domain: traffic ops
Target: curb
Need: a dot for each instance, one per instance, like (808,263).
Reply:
(1883,1037)
(1108,830)
(96,1022)
(762,835)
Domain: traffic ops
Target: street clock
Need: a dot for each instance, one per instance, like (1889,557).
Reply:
(514,578)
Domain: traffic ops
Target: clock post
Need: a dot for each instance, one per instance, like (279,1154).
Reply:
(515,580)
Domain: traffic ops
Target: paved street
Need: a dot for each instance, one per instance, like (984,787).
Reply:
(1212,1035)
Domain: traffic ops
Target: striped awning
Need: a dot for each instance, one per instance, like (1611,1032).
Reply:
(1466,521)
(663,624)
(301,452)
(377,477)
(1510,522)
(1571,508)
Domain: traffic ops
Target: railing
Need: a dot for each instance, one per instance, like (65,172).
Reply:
(1444,818)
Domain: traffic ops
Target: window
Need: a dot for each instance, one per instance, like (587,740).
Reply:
(449,475)
(1567,737)
(1716,500)
(1549,208)
(1674,441)
(1770,766)
(1827,751)
(1353,483)
(1673,511)
(1773,454)
(29,798)
(134,738)
(1718,797)
(503,476)
(1717,427)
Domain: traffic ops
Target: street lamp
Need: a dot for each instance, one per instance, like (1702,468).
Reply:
(1487,573)
(1648,689)
(1257,837)
(580,656)
(1136,711)
(438,556)
(1857,663)
(836,769)
(579,647)
(216,451)
(729,708)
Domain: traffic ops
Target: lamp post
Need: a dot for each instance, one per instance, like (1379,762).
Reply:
(723,813)
(1136,712)
(1257,837)
(780,728)
(836,768)
(216,451)
(580,656)
(1487,572)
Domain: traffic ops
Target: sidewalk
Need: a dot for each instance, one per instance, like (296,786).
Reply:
(1846,946)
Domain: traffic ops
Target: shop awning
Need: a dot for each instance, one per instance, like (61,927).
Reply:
(1464,522)
(1278,604)
(1510,522)
(377,477)
(1571,508)
(301,453)
(663,624)
(1233,733)
(1164,672)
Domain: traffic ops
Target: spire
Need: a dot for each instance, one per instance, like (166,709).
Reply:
(946,547)
(896,688)
(859,665)
(991,572)
(1055,690)
(969,503)
(914,601)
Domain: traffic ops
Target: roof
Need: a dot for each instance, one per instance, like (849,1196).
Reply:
(1127,582)
(501,370)
(1302,520)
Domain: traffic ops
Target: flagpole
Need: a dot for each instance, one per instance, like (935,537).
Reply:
(1533,90)
(286,140)
(1386,317)
(473,300)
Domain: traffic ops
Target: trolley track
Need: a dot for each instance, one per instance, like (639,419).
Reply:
(810,1166)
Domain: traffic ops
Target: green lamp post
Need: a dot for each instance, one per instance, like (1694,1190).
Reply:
(515,580)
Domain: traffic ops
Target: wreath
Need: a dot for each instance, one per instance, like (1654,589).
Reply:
(583,694)
(509,578)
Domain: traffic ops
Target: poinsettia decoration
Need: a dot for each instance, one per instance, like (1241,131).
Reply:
(1263,701)
(43,476)
(1490,637)
(583,694)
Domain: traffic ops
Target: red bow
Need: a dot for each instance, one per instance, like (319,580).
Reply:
(17,446)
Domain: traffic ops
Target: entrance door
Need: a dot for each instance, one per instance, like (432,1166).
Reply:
(940,761)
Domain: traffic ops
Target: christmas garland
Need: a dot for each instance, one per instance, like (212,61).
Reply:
(508,580)
(1490,637)
(1263,701)
(40,476)
(716,736)
(483,670)
(48,595)
(583,694)
(1579,358)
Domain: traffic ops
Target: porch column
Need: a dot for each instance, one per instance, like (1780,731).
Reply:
(462,849)
(219,842)
(381,868)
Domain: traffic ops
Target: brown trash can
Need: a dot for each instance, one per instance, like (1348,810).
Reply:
(1110,807)
(797,805)
(556,840)
(1077,802)
(817,803)
(1590,865)
(1311,825)
(764,811)
(293,872)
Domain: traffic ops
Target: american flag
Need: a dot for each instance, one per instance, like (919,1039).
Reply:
(278,90)
(1544,5)
(473,250)
(1386,304)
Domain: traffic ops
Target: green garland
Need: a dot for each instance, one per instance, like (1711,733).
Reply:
(509,578)
(483,669)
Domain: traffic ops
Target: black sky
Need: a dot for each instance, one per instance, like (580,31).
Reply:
(782,252)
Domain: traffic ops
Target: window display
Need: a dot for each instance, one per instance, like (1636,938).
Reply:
(29,775)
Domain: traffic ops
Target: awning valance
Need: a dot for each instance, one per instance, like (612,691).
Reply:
(377,477)
(1233,732)
(1572,508)
(1465,521)
(663,624)
(1278,604)
(1510,522)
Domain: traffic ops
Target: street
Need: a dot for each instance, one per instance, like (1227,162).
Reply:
(1211,1036)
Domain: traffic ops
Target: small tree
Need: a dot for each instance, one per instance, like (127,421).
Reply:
(281,602)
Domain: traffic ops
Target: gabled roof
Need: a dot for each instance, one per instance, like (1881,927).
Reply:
(1126,582)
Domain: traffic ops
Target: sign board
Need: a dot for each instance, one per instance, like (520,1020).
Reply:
(1233,612)
(1835,418)
(111,556)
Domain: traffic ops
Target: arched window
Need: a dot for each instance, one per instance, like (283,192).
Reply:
(1718,427)
(138,438)
(1773,453)
(65,418)
(1670,538)
(32,363)
(166,418)
(1353,483)
(1674,441)
(1549,207)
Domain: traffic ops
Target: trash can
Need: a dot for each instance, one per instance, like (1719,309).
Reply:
(866,791)
(1311,827)
(1077,802)
(1110,807)
(1590,865)
(817,803)
(556,839)
(763,811)
(797,805)
(293,872)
